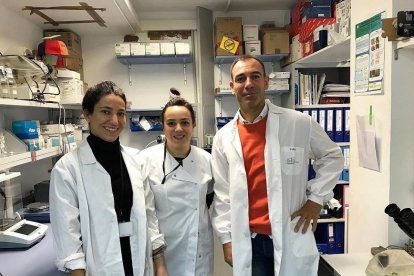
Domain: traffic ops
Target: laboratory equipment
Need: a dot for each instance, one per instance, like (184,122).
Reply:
(20,233)
(404,218)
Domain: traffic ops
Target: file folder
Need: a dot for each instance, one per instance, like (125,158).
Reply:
(339,135)
(306,111)
(330,122)
(314,114)
(322,118)
(345,172)
(346,124)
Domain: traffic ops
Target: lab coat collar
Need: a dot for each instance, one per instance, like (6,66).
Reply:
(182,173)
(274,108)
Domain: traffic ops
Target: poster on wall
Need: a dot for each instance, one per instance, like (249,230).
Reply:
(369,56)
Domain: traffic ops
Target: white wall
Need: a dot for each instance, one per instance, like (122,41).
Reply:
(17,31)
(371,191)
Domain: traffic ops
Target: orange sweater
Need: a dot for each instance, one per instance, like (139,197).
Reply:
(253,140)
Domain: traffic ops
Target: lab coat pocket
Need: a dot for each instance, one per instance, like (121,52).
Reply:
(292,160)
(160,196)
(303,251)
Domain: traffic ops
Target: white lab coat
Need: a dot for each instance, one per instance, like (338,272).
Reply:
(180,204)
(291,139)
(84,220)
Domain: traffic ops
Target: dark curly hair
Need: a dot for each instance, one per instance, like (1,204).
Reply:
(95,93)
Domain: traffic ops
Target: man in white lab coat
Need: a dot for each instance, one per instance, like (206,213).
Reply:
(264,203)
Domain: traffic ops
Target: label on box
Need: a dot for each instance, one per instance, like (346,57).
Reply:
(122,49)
(229,44)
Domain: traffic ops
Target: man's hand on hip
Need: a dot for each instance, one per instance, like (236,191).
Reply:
(308,213)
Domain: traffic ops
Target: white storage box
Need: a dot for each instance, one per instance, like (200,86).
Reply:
(252,47)
(281,75)
(71,91)
(167,48)
(138,49)
(64,73)
(250,32)
(182,48)
(152,49)
(56,128)
(122,49)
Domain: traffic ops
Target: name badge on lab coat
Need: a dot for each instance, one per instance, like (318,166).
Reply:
(126,229)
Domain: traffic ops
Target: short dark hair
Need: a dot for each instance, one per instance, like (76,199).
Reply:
(95,93)
(178,101)
(244,58)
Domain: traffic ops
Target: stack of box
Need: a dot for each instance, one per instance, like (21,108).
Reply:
(230,27)
(164,48)
(252,44)
(73,43)
(279,81)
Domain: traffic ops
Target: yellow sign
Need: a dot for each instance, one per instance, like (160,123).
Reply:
(229,44)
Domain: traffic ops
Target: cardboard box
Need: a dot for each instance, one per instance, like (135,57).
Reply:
(250,33)
(167,48)
(253,47)
(71,40)
(275,41)
(138,49)
(230,27)
(122,49)
(74,64)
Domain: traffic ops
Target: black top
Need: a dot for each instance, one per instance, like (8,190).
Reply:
(108,154)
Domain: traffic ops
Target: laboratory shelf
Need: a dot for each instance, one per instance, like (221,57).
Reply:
(8,176)
(176,59)
(227,93)
(403,44)
(35,104)
(322,106)
(46,153)
(337,55)
(264,58)
(406,43)
(14,160)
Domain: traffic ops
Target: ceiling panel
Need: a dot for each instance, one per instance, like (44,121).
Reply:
(114,18)
(122,16)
